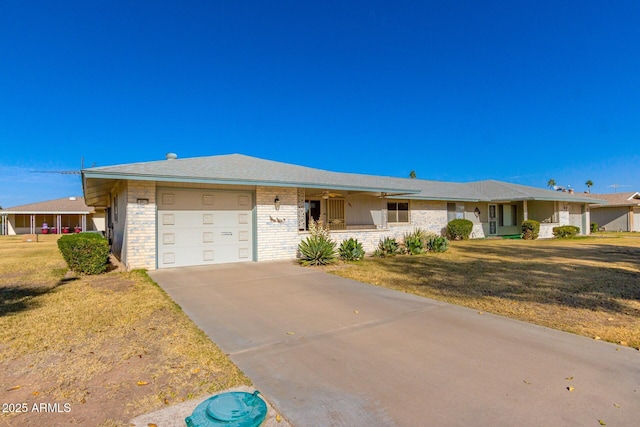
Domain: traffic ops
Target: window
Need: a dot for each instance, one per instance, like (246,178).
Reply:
(451,212)
(455,211)
(398,211)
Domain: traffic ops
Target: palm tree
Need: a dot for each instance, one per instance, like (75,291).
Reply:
(412,174)
(589,184)
(551,183)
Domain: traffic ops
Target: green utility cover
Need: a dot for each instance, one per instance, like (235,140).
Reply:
(233,409)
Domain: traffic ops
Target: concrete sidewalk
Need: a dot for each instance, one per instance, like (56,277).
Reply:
(334,352)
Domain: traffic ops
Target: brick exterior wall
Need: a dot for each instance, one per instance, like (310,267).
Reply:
(140,233)
(277,230)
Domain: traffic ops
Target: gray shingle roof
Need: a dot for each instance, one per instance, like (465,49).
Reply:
(492,190)
(64,205)
(241,169)
(245,170)
(618,199)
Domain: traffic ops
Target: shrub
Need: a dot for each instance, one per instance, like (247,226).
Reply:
(437,244)
(387,247)
(459,229)
(318,248)
(530,229)
(565,231)
(413,243)
(86,253)
(594,227)
(416,241)
(351,250)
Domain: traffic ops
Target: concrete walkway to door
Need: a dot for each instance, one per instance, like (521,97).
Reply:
(328,351)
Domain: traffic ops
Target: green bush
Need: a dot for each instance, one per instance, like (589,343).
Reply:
(437,244)
(594,227)
(530,229)
(351,250)
(86,253)
(565,231)
(413,243)
(318,248)
(459,229)
(387,247)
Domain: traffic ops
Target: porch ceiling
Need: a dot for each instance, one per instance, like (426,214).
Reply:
(96,191)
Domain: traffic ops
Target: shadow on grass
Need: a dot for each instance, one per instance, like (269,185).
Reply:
(553,275)
(17,298)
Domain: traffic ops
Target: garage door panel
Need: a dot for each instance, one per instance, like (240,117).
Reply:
(185,200)
(200,227)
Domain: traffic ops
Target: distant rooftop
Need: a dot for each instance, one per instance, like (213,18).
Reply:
(619,199)
(64,205)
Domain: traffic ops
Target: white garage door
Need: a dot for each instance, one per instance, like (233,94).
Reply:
(636,219)
(198,227)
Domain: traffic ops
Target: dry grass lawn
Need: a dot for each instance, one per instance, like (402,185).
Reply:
(588,286)
(111,346)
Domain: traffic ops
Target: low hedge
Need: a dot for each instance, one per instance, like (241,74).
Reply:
(86,253)
(530,229)
(564,231)
(459,229)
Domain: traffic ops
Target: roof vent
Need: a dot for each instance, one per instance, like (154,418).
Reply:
(171,156)
(73,198)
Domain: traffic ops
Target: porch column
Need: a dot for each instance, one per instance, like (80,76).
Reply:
(32,224)
(525,210)
(59,223)
(84,222)
(384,214)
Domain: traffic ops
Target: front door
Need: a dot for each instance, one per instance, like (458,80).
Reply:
(312,211)
(493,220)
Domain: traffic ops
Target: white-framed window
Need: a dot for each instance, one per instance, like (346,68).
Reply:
(398,211)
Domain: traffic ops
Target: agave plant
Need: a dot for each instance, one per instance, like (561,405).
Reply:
(317,250)
(413,244)
(351,250)
(388,247)
(437,244)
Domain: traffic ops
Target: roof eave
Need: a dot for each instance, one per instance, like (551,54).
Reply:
(9,211)
(413,196)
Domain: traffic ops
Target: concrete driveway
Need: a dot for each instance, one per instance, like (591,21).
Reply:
(328,351)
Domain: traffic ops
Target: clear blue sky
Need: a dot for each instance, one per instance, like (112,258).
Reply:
(518,91)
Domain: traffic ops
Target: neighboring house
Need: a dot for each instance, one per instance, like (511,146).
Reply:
(51,217)
(233,208)
(621,213)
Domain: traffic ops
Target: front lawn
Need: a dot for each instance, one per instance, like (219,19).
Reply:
(99,349)
(588,286)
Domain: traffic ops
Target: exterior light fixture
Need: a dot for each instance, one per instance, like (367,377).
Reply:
(276,203)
